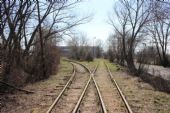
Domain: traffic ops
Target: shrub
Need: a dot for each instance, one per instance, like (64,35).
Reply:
(89,57)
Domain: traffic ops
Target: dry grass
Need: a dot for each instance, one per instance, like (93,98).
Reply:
(142,97)
(92,64)
(46,92)
(109,92)
(65,70)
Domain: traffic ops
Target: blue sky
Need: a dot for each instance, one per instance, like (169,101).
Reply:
(98,26)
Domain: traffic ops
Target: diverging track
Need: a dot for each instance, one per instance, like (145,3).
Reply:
(70,98)
(62,92)
(90,92)
(91,102)
(71,92)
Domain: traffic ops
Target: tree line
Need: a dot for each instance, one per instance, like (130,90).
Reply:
(138,23)
(30,31)
(81,49)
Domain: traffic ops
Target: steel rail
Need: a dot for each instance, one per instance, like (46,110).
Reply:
(100,96)
(84,90)
(119,90)
(87,69)
(61,93)
(96,86)
(75,110)
(81,97)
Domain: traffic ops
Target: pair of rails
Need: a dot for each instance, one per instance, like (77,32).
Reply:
(91,77)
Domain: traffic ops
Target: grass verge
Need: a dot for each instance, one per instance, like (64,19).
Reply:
(142,97)
(46,91)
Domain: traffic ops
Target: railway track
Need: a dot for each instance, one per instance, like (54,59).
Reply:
(57,104)
(62,92)
(119,90)
(103,108)
(71,92)
(79,100)
(91,83)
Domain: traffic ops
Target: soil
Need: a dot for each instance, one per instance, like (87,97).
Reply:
(68,101)
(142,97)
(45,92)
(110,95)
(90,103)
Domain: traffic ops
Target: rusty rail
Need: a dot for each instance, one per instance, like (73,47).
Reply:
(91,77)
(119,90)
(61,93)
(97,88)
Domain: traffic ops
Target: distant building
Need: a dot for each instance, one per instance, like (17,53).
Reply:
(66,51)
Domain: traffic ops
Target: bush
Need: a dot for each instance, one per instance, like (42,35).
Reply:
(148,55)
(16,77)
(29,68)
(157,82)
(34,66)
(89,57)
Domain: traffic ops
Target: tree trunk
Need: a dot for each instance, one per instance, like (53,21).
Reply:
(42,44)
(165,62)
(130,63)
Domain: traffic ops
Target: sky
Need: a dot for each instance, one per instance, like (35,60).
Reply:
(97,28)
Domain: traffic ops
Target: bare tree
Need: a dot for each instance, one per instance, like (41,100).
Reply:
(80,48)
(148,55)
(51,58)
(83,46)
(133,16)
(116,48)
(159,28)
(22,20)
(99,50)
(111,48)
(73,43)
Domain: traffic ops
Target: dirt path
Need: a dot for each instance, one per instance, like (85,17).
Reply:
(90,101)
(109,92)
(69,100)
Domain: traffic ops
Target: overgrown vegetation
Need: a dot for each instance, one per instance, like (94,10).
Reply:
(80,48)
(44,87)
(140,21)
(148,55)
(148,99)
(141,37)
(30,31)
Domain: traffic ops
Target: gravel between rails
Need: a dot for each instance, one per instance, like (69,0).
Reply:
(70,97)
(90,103)
(111,97)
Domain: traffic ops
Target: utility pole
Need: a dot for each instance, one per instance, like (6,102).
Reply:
(93,46)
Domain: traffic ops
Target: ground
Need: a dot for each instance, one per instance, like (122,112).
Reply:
(46,92)
(142,97)
(111,97)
